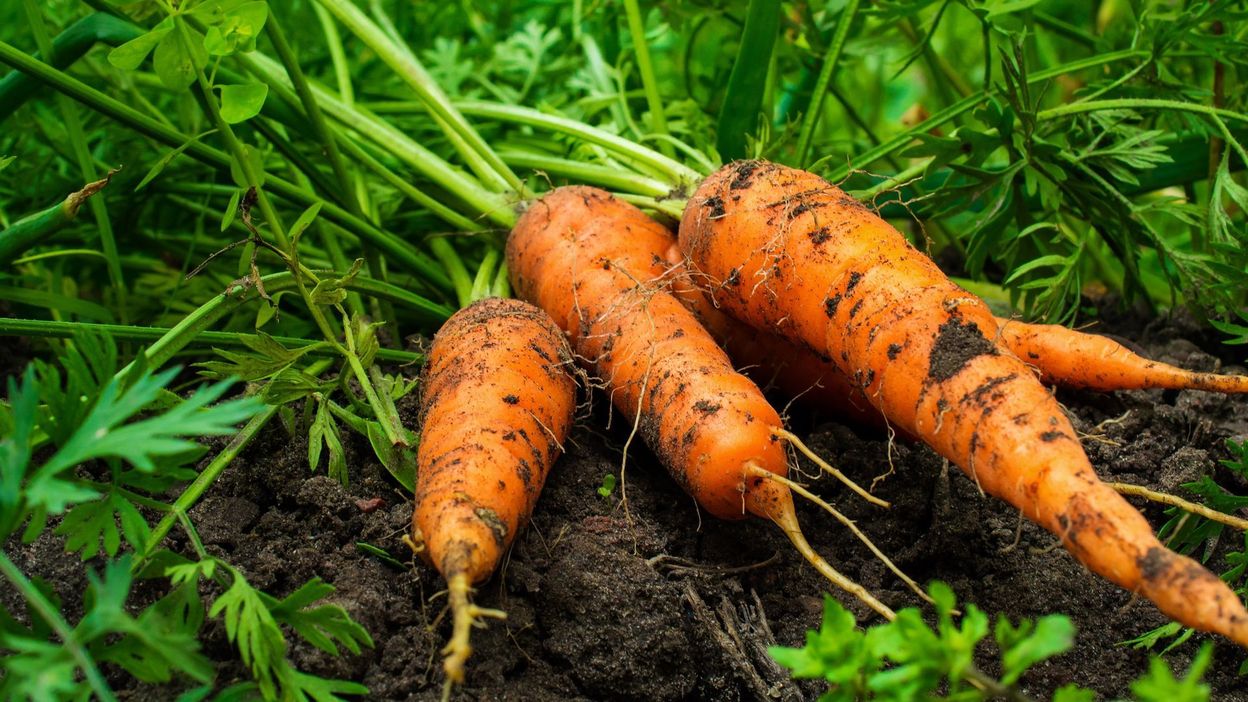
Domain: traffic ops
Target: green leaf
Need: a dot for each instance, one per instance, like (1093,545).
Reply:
(324,433)
(250,625)
(235,29)
(305,220)
(738,116)
(1073,693)
(267,358)
(1160,685)
(255,158)
(240,103)
(6,161)
(130,56)
(399,461)
(231,208)
(175,64)
(324,625)
(168,158)
(88,525)
(102,434)
(1029,644)
(290,385)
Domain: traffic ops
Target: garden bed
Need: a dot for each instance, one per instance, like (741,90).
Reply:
(653,600)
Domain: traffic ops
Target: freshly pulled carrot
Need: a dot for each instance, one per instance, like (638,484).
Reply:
(496,405)
(772,360)
(596,264)
(1081,360)
(791,254)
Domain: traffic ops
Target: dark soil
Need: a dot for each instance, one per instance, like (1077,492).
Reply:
(660,602)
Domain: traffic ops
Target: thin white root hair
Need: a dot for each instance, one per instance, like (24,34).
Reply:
(827,467)
(787,521)
(853,528)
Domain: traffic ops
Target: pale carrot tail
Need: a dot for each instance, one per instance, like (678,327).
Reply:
(777,505)
(1077,359)
(464,615)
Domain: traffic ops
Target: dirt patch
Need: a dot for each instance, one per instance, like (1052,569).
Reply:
(660,602)
(957,342)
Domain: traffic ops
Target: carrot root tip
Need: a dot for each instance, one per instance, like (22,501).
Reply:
(465,615)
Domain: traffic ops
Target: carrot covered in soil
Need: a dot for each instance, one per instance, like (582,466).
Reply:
(1062,356)
(789,253)
(597,265)
(496,405)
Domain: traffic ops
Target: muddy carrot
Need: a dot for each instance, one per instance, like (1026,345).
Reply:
(789,253)
(496,405)
(597,265)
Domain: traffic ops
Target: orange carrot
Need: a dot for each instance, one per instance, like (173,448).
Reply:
(1080,360)
(789,253)
(771,360)
(596,264)
(496,405)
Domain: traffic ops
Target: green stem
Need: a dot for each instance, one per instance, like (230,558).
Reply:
(637,28)
(587,173)
(811,119)
(404,186)
(405,64)
(98,101)
(68,46)
(64,330)
(330,146)
(235,147)
(482,283)
(45,609)
(454,267)
(389,138)
(30,231)
(210,312)
(678,173)
(86,163)
(865,159)
(1134,103)
(342,69)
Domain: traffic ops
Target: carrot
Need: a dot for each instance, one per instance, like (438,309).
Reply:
(496,405)
(596,264)
(772,360)
(789,253)
(1077,359)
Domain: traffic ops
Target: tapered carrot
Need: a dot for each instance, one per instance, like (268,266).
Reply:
(596,264)
(496,405)
(1081,360)
(791,254)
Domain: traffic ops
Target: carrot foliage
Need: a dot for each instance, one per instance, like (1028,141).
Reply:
(910,659)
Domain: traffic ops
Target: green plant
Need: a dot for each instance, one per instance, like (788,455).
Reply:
(96,448)
(608,485)
(907,659)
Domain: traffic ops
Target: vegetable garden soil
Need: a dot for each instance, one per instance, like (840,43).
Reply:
(656,601)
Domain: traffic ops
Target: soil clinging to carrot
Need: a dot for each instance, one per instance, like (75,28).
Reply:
(659,603)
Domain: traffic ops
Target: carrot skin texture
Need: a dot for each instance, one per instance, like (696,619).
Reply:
(791,254)
(1080,360)
(597,265)
(496,406)
(772,360)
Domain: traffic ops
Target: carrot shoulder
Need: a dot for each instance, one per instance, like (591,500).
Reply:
(496,406)
(789,253)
